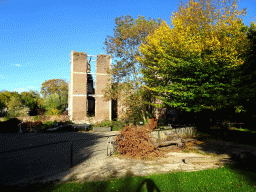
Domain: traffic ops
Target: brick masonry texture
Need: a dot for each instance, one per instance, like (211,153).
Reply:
(78,93)
(102,108)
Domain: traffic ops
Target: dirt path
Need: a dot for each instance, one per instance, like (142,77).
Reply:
(117,166)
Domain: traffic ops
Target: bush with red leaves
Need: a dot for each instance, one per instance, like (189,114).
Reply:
(30,126)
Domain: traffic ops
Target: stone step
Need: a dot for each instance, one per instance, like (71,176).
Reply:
(209,159)
(101,129)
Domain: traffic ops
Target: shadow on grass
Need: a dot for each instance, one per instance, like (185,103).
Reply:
(238,145)
(127,183)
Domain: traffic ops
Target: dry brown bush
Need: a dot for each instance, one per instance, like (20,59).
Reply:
(135,142)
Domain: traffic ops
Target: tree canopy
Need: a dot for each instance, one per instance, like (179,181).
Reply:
(51,86)
(5,97)
(128,36)
(194,66)
(30,99)
(58,86)
(194,63)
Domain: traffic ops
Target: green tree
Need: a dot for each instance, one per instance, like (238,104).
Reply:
(5,97)
(192,66)
(128,36)
(57,86)
(29,99)
(246,80)
(16,108)
(52,104)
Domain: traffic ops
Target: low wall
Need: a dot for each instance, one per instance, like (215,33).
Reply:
(46,118)
(59,118)
(164,134)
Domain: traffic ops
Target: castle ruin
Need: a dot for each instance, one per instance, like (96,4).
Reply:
(85,103)
(83,99)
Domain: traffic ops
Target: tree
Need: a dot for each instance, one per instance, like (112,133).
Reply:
(16,109)
(5,97)
(58,86)
(128,35)
(192,66)
(246,80)
(52,104)
(29,99)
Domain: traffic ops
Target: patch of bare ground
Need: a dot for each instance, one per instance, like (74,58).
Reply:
(171,159)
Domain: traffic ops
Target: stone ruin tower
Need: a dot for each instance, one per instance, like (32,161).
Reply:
(83,99)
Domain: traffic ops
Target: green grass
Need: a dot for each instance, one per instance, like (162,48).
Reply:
(241,129)
(227,178)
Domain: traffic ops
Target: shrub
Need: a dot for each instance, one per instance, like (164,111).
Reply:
(118,125)
(91,126)
(10,125)
(16,109)
(69,122)
(65,113)
(50,124)
(105,123)
(29,126)
(53,112)
(36,118)
(5,118)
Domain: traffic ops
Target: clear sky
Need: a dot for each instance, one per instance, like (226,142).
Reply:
(37,36)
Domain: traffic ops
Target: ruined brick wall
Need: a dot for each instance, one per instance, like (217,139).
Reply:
(79,94)
(78,86)
(103,109)
(121,103)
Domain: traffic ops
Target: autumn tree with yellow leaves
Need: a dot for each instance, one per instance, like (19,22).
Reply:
(192,66)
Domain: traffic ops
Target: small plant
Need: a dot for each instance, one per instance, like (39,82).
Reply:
(49,124)
(117,125)
(53,112)
(5,118)
(105,123)
(91,126)
(69,122)
(10,125)
(36,118)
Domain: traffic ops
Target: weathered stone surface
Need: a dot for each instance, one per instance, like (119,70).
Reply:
(201,159)
(166,143)
(101,129)
(110,146)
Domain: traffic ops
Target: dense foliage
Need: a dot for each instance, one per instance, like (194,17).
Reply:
(51,89)
(53,102)
(193,66)
(128,36)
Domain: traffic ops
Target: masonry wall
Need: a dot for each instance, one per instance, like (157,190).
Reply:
(78,93)
(103,109)
(78,86)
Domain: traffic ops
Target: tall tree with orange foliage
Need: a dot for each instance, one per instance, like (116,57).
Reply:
(192,66)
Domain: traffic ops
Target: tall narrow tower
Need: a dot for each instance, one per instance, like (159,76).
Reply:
(78,86)
(103,109)
(81,92)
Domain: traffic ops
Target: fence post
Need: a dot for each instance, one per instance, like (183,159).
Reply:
(71,155)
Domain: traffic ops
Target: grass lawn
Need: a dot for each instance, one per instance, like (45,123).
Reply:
(226,178)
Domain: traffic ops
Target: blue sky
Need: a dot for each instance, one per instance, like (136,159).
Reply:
(37,36)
